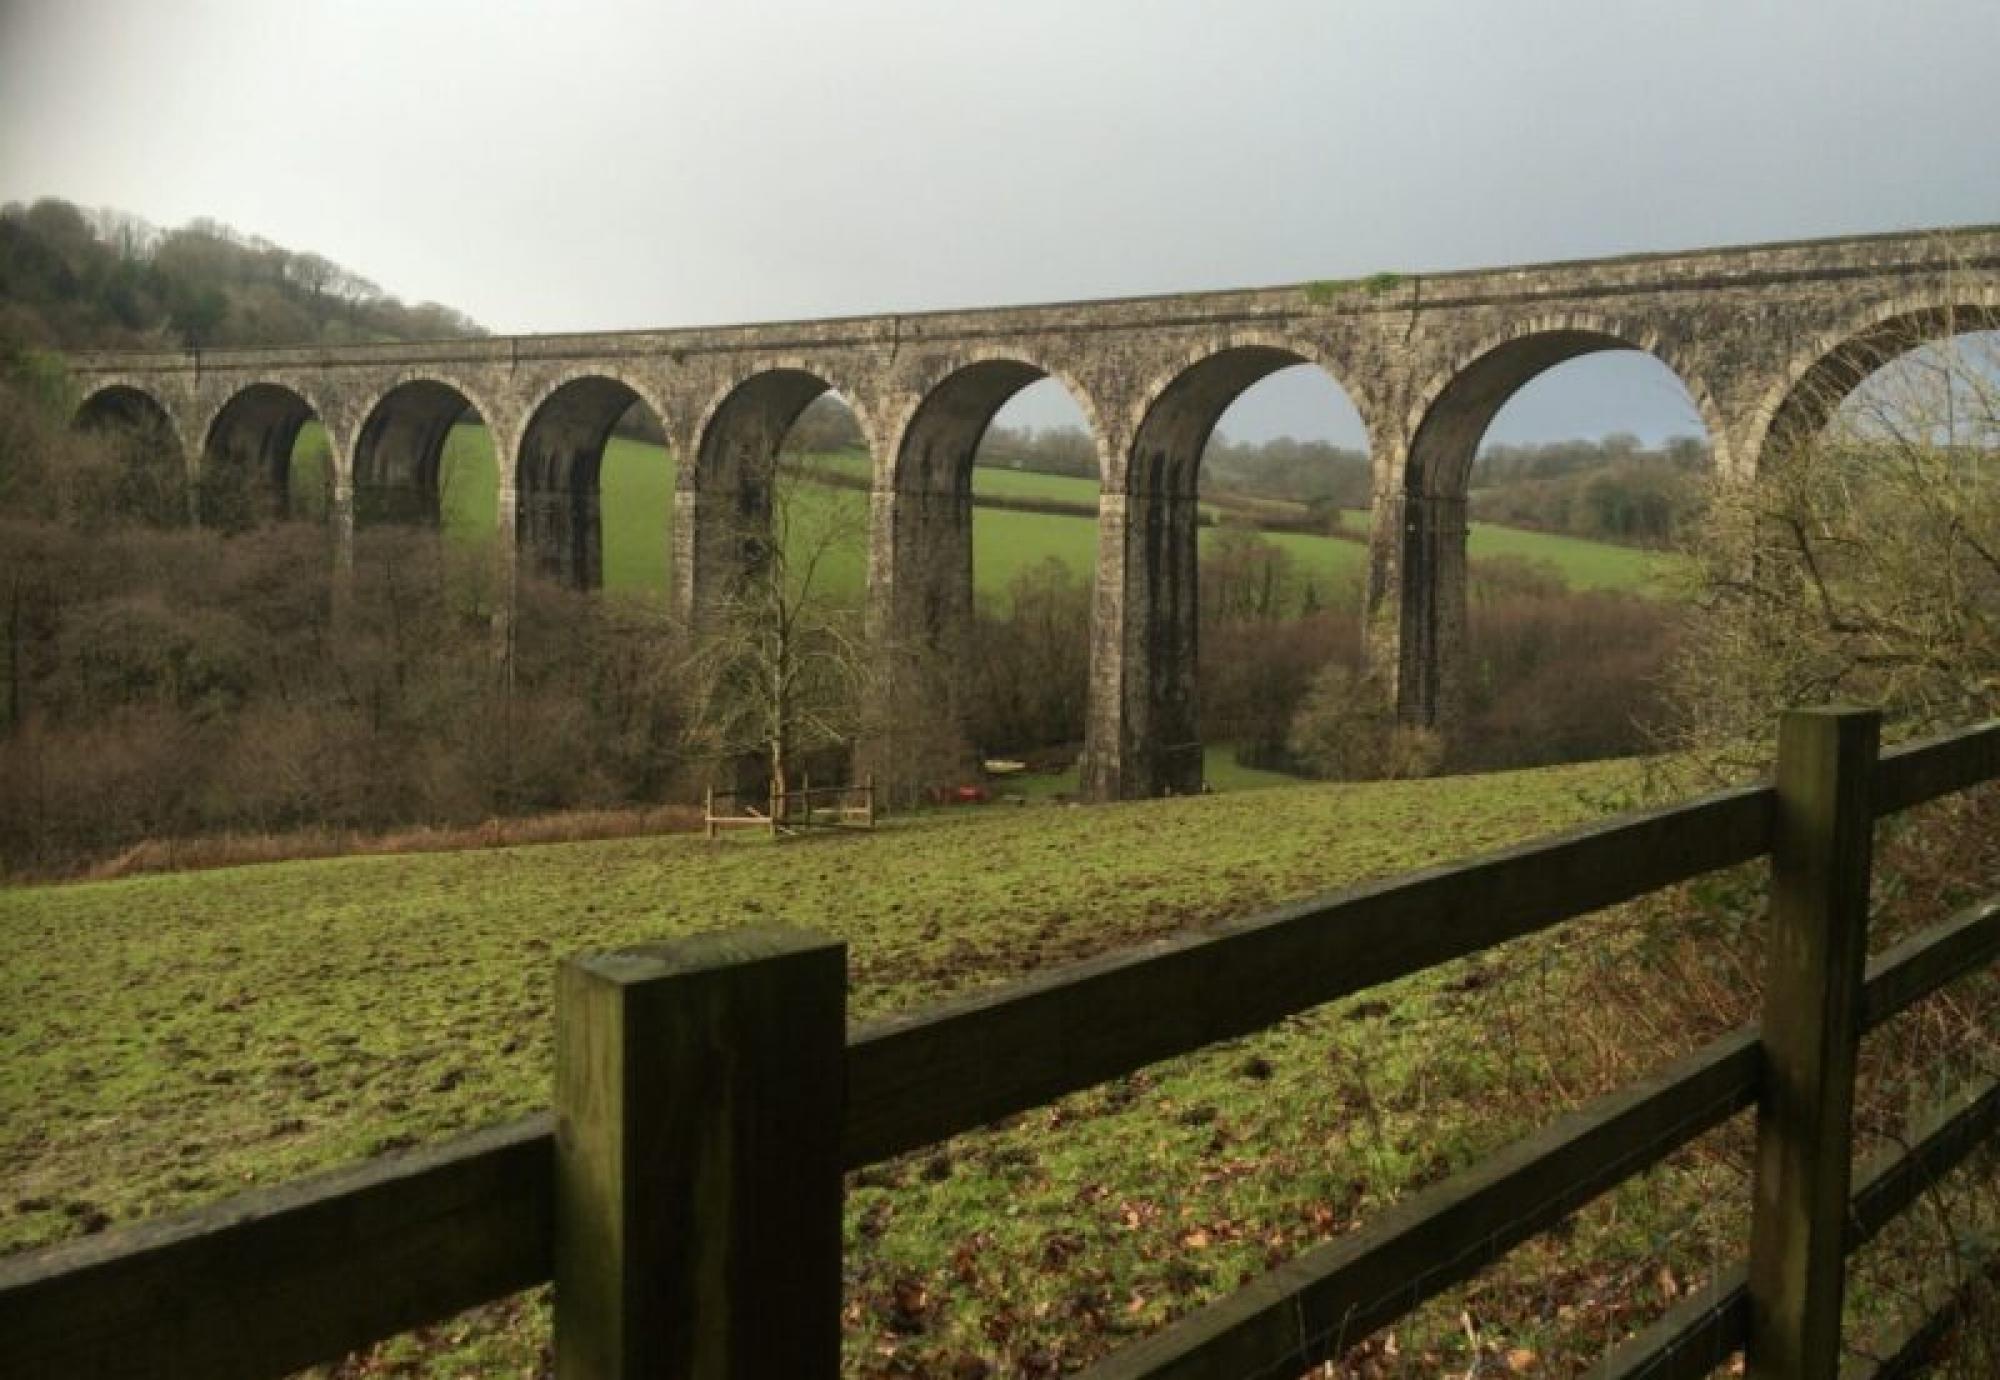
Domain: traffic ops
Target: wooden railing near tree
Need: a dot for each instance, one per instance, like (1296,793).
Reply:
(808,807)
(685,1195)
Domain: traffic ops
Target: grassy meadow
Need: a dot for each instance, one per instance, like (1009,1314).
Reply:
(637,491)
(167,1041)
(174,1039)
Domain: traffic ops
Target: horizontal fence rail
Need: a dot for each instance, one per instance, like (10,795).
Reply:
(914,1080)
(1709,1327)
(266,1282)
(269,1281)
(1918,773)
(1312,1308)
(1941,1304)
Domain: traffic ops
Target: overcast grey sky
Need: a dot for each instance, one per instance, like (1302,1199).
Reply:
(586,165)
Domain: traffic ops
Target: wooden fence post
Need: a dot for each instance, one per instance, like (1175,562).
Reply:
(1820,871)
(699,1088)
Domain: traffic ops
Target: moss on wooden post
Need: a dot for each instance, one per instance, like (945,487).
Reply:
(1820,870)
(698,1192)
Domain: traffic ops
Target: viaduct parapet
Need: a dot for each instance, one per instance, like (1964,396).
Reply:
(1766,339)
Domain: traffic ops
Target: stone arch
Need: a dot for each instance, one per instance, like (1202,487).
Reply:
(922,559)
(127,403)
(957,400)
(1177,410)
(1821,376)
(399,449)
(1144,726)
(726,485)
(1418,568)
(246,460)
(1452,412)
(920,555)
(773,386)
(556,474)
(151,444)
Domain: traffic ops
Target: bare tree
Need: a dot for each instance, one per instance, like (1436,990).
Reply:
(781,665)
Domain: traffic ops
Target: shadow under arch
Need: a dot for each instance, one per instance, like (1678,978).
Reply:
(922,571)
(247,458)
(399,452)
(558,475)
(1799,409)
(122,405)
(1144,732)
(724,499)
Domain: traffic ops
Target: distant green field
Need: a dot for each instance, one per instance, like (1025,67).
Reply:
(637,482)
(1220,772)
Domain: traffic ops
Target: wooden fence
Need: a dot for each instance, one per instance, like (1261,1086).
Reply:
(790,812)
(685,1195)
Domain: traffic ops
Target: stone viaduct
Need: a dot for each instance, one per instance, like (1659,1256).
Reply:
(1765,338)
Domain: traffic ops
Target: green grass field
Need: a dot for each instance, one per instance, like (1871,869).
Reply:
(174,1039)
(1220,771)
(637,484)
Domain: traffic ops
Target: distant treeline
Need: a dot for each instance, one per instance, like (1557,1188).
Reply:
(1614,489)
(75,279)
(1318,473)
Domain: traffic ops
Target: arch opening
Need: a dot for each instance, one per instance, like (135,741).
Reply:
(1544,482)
(1036,477)
(1285,486)
(122,406)
(974,442)
(1446,442)
(770,533)
(146,449)
(981,572)
(1863,372)
(264,459)
(1192,518)
(1866,545)
(425,457)
(595,447)
(730,491)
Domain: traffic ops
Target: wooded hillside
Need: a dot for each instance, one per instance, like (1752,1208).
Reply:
(72,278)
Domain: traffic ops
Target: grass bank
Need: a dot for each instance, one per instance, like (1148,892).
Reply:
(170,1040)
(174,1039)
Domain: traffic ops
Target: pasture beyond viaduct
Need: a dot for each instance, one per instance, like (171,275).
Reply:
(1766,339)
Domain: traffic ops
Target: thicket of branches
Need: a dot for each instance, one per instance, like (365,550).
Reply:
(161,681)
(1861,565)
